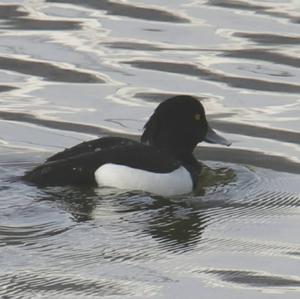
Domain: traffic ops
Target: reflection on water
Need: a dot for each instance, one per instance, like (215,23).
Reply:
(98,236)
(73,70)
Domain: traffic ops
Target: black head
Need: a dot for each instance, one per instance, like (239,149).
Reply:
(177,125)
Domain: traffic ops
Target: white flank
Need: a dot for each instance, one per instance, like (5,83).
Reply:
(176,182)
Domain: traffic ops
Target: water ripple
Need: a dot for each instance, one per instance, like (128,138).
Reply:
(48,71)
(206,74)
(256,131)
(25,284)
(268,10)
(5,88)
(127,10)
(263,55)
(267,39)
(13,235)
(11,11)
(255,279)
(16,17)
(249,157)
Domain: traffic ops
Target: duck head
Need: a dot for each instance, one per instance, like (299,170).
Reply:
(177,125)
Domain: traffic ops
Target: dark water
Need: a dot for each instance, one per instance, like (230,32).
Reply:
(71,70)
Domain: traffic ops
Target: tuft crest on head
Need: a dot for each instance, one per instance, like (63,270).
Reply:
(150,129)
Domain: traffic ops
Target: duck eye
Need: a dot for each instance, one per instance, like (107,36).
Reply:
(197,116)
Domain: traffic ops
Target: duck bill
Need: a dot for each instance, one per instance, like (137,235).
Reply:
(213,137)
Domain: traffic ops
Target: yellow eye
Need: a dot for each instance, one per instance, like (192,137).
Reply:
(197,116)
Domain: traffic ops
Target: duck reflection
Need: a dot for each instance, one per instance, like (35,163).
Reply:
(177,226)
(78,202)
(176,223)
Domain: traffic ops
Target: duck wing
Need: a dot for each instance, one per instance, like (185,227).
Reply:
(95,145)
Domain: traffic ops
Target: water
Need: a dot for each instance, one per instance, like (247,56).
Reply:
(74,70)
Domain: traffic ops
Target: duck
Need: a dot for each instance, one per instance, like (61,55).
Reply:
(162,163)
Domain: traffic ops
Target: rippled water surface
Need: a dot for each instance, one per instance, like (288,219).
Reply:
(71,70)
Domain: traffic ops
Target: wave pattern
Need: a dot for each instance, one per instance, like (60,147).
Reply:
(26,285)
(121,244)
